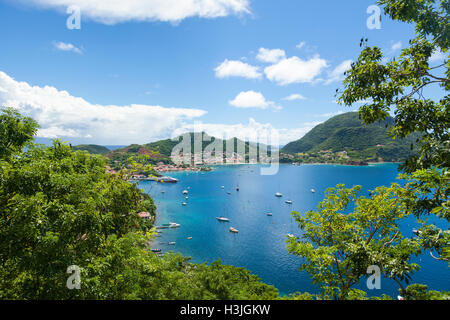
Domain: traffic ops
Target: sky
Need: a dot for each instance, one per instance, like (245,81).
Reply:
(142,70)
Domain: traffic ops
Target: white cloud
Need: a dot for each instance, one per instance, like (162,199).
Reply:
(270,56)
(294,96)
(331,114)
(116,11)
(300,45)
(252,99)
(63,115)
(338,73)
(295,70)
(248,131)
(438,56)
(396,46)
(235,68)
(67,47)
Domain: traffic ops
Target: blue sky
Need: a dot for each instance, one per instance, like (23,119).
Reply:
(140,73)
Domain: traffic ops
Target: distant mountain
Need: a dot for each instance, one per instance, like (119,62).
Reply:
(345,132)
(92,148)
(160,151)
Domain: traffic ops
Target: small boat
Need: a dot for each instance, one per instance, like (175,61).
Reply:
(184,204)
(228,192)
(237,188)
(186,197)
(313,191)
(416,232)
(269,214)
(172,243)
(279,195)
(223,219)
(288,201)
(174,225)
(222,187)
(185,192)
(233,230)
(290,235)
(156,250)
(189,238)
(163,191)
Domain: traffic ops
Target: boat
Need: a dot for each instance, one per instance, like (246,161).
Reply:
(186,197)
(172,243)
(189,238)
(237,188)
(228,192)
(290,235)
(163,191)
(288,201)
(184,204)
(313,191)
(223,219)
(173,225)
(279,195)
(156,250)
(233,230)
(222,187)
(185,192)
(269,214)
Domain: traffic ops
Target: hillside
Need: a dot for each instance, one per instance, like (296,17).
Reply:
(92,148)
(360,142)
(160,151)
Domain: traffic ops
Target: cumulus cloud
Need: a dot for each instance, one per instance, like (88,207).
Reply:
(252,99)
(300,45)
(294,96)
(338,73)
(295,70)
(116,11)
(236,68)
(270,56)
(63,115)
(438,56)
(62,46)
(396,46)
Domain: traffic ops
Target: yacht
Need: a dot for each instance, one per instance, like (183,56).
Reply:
(223,219)
(184,204)
(173,225)
(172,243)
(269,214)
(279,195)
(185,192)
(288,201)
(233,230)
(313,191)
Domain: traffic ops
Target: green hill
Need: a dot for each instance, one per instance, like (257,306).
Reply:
(92,148)
(160,151)
(361,142)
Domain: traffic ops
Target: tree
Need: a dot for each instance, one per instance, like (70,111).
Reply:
(397,87)
(339,246)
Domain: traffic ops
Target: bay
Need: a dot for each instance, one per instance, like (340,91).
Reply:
(260,244)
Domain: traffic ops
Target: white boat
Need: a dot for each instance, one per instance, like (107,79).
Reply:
(313,191)
(163,191)
(269,214)
(186,197)
(184,204)
(185,192)
(290,235)
(172,243)
(279,195)
(223,219)
(288,201)
(173,225)
(223,187)
(228,192)
(233,230)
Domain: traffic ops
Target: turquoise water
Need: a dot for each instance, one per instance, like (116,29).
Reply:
(260,244)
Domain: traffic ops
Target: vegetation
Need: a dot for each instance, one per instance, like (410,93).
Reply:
(60,208)
(347,139)
(338,245)
(92,148)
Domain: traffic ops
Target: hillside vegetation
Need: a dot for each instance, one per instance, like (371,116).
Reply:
(361,142)
(92,148)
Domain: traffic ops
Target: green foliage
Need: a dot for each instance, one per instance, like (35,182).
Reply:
(60,208)
(346,132)
(338,247)
(92,149)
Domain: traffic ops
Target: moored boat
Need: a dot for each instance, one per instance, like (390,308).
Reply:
(233,230)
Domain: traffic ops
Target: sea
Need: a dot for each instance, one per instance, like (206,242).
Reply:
(260,244)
